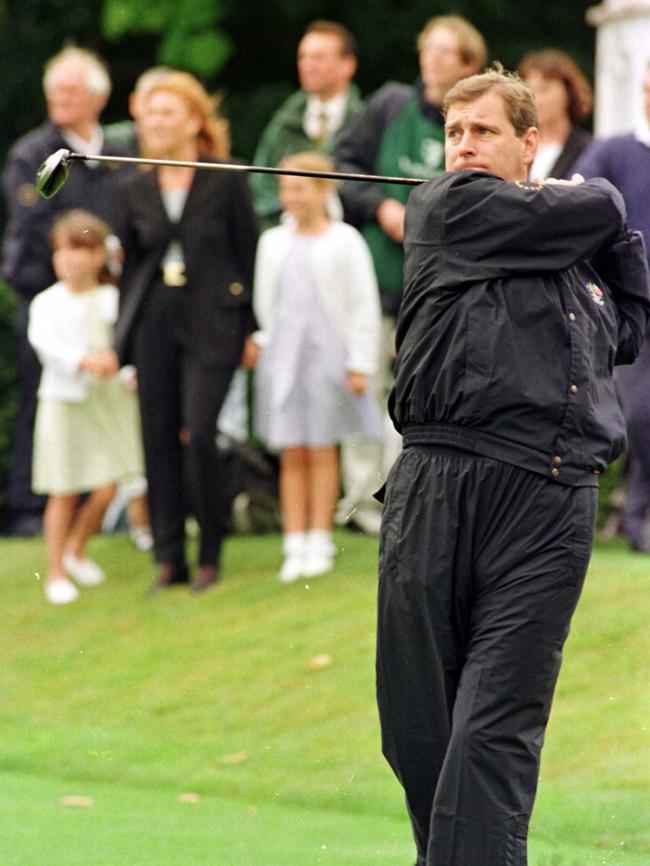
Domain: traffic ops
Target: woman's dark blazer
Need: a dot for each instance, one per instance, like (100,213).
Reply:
(577,142)
(218,232)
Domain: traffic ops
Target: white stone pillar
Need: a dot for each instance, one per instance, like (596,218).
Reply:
(622,54)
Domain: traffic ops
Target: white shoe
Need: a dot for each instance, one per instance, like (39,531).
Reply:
(291,569)
(141,537)
(61,591)
(85,572)
(319,553)
(293,548)
(315,564)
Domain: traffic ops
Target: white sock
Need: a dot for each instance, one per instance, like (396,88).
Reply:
(320,540)
(293,543)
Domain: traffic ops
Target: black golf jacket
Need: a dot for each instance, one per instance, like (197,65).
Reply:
(519,300)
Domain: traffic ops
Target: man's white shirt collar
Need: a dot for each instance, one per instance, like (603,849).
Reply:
(333,110)
(81,145)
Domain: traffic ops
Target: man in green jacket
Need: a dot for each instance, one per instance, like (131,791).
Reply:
(312,116)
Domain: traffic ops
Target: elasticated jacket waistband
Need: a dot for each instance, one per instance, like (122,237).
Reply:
(507,451)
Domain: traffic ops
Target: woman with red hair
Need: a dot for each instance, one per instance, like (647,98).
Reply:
(185,314)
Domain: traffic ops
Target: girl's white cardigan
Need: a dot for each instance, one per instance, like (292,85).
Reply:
(346,284)
(56,331)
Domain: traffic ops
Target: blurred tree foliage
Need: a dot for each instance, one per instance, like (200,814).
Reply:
(188,32)
(244,48)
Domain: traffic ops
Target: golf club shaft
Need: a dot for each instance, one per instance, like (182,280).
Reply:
(227,166)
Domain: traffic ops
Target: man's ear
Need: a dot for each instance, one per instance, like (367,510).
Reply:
(530,140)
(350,67)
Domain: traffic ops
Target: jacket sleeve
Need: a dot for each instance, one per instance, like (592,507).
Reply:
(26,255)
(139,269)
(243,225)
(594,162)
(263,291)
(623,265)
(362,297)
(244,229)
(265,186)
(486,228)
(357,151)
(45,338)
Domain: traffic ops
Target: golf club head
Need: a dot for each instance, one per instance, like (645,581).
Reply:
(53,173)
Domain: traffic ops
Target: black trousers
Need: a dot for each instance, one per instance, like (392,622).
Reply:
(180,399)
(481,567)
(633,383)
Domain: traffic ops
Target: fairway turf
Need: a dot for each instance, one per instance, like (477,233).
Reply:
(259,699)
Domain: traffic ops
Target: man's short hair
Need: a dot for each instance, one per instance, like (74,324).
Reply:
(518,99)
(349,44)
(471,44)
(98,80)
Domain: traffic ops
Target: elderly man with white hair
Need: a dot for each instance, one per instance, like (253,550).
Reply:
(77,86)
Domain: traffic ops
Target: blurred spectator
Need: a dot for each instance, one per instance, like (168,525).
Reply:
(187,287)
(625,161)
(316,303)
(77,86)
(87,434)
(124,133)
(563,97)
(400,133)
(312,116)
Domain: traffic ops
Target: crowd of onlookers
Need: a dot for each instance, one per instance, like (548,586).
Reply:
(154,287)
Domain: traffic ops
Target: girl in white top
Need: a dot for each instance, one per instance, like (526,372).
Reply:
(86,435)
(317,305)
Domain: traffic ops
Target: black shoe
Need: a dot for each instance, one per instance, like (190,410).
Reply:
(169,575)
(205,577)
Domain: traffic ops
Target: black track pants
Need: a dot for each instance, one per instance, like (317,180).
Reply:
(481,567)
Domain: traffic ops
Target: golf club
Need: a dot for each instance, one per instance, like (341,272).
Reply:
(53,173)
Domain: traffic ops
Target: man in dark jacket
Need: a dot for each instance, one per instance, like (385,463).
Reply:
(625,161)
(400,134)
(519,299)
(77,86)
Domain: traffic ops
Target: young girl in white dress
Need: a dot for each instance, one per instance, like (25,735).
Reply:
(86,436)
(317,305)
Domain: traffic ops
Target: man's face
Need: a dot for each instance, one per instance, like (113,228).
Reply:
(646,93)
(441,64)
(70,103)
(480,136)
(322,69)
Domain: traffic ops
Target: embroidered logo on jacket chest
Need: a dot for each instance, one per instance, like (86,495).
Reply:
(596,293)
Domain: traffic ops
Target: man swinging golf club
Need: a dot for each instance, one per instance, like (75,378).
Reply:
(519,299)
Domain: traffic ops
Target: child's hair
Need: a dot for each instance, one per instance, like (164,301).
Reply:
(310,160)
(80,228)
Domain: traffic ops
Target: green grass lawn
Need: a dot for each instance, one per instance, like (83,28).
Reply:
(131,701)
